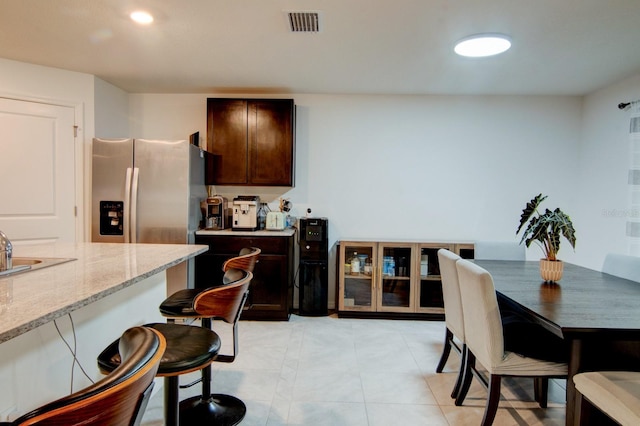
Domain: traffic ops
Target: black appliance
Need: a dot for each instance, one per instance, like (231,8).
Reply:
(314,259)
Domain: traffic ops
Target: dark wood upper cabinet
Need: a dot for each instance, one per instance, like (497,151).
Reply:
(250,142)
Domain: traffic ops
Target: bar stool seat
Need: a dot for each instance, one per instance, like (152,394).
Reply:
(189,348)
(180,304)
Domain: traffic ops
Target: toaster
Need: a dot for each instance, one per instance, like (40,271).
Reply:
(276,221)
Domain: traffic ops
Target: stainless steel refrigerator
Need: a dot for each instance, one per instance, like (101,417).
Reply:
(148,191)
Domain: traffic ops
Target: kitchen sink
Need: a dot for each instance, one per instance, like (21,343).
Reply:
(20,261)
(25,264)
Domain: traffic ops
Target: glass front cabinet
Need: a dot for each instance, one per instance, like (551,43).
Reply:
(356,276)
(392,277)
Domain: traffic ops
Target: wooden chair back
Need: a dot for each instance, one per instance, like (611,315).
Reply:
(226,301)
(118,399)
(246,260)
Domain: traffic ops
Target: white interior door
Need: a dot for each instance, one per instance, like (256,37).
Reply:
(37,171)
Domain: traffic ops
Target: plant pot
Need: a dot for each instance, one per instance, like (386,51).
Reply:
(551,270)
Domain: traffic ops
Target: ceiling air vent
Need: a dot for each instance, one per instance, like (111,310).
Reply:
(304,22)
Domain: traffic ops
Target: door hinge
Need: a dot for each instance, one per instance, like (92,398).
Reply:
(75,211)
(75,131)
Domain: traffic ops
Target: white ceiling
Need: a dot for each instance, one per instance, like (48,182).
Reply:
(365,46)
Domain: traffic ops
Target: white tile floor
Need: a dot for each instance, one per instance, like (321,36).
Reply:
(335,371)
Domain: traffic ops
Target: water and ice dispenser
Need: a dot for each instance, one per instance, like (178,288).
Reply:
(314,259)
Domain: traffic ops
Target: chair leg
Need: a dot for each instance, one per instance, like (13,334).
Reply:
(463,361)
(492,400)
(582,411)
(445,351)
(469,365)
(586,414)
(541,390)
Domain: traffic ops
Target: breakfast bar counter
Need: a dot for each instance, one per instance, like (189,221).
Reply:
(56,319)
(32,298)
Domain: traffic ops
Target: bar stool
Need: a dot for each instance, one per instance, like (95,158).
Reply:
(227,306)
(189,348)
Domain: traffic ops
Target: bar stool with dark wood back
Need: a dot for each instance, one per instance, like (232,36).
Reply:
(118,399)
(190,348)
(189,303)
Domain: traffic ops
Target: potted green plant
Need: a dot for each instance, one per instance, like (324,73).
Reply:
(546,229)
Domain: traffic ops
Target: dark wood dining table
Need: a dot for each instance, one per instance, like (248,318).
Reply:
(597,313)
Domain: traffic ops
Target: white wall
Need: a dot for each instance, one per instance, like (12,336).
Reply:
(51,85)
(405,167)
(111,110)
(604,164)
(410,167)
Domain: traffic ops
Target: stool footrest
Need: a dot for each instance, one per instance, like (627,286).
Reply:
(188,385)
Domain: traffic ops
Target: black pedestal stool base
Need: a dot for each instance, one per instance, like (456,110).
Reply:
(219,409)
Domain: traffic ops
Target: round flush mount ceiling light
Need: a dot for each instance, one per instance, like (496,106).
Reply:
(141,17)
(481,45)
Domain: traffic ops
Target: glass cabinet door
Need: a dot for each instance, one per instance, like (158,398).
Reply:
(357,276)
(395,283)
(430,289)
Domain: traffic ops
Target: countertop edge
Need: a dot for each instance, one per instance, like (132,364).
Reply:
(55,314)
(262,233)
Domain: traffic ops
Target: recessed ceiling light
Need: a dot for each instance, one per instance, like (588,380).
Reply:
(481,45)
(141,17)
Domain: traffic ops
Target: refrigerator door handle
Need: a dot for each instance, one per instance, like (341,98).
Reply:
(127,205)
(134,205)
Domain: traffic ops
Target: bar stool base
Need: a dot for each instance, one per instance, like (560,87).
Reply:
(219,409)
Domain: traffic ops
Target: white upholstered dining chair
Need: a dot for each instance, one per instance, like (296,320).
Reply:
(485,343)
(622,265)
(452,314)
(614,393)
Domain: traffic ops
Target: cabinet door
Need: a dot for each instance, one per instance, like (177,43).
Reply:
(395,284)
(271,140)
(227,142)
(356,288)
(429,291)
(466,250)
(268,291)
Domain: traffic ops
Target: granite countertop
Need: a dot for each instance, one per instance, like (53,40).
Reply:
(284,233)
(33,298)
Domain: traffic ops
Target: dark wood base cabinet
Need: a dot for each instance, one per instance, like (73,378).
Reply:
(271,290)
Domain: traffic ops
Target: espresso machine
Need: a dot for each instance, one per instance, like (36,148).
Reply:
(245,213)
(215,210)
